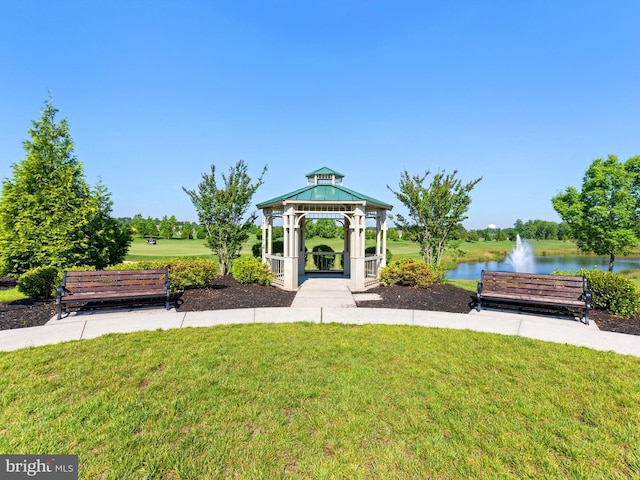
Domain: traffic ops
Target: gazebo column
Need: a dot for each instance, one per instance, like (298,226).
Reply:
(357,273)
(381,236)
(290,254)
(346,255)
(301,235)
(267,234)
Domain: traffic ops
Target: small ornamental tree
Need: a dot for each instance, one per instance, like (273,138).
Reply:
(223,211)
(604,216)
(49,215)
(434,210)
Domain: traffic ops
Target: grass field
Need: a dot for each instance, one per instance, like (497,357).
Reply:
(324,401)
(10,295)
(470,251)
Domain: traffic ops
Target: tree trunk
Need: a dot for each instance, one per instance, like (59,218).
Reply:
(612,257)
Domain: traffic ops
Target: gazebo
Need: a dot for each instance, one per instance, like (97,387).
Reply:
(324,197)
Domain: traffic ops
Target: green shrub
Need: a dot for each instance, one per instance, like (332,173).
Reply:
(183,273)
(186,274)
(324,262)
(251,270)
(409,272)
(610,291)
(39,282)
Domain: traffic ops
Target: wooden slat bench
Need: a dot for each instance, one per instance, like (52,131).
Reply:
(111,285)
(533,289)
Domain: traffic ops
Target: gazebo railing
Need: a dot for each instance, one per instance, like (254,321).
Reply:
(372,269)
(324,262)
(276,264)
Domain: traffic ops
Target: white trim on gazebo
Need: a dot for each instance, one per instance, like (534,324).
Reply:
(324,197)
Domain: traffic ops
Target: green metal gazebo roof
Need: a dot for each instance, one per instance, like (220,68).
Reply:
(324,193)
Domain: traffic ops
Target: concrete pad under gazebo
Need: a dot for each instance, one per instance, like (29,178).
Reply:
(324,197)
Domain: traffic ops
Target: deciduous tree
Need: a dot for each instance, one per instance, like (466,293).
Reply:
(603,216)
(186,231)
(138,224)
(150,227)
(434,210)
(167,226)
(222,211)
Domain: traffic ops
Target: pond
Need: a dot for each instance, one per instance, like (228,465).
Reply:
(471,271)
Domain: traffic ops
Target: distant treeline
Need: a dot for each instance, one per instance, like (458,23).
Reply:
(170,227)
(531,230)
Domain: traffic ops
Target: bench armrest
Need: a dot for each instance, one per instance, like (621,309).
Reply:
(61,290)
(479,288)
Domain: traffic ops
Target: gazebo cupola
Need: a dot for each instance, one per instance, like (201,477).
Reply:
(324,176)
(324,197)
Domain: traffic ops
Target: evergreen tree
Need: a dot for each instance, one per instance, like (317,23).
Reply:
(108,238)
(48,212)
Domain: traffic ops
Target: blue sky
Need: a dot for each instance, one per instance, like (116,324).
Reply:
(524,94)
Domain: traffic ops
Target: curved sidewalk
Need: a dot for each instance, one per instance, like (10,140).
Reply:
(86,325)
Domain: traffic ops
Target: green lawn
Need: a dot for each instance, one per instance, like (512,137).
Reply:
(11,294)
(175,247)
(324,401)
(164,248)
(471,251)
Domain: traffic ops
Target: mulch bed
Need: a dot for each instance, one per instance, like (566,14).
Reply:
(226,293)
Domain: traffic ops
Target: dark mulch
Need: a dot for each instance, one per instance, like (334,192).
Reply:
(444,298)
(226,293)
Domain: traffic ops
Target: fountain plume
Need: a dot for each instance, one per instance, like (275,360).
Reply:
(521,257)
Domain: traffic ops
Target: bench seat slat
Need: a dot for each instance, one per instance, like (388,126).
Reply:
(103,285)
(541,292)
(114,286)
(110,295)
(534,299)
(534,289)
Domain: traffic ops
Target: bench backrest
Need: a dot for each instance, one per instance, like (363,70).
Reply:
(534,284)
(110,280)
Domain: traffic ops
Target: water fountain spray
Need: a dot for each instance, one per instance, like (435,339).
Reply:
(521,257)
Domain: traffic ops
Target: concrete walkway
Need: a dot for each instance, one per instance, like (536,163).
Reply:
(324,292)
(86,325)
(319,305)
